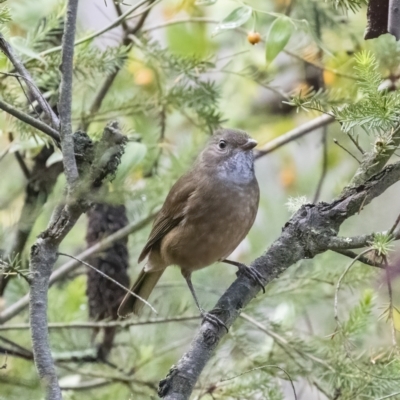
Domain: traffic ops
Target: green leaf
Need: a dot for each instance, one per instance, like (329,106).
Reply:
(235,19)
(278,36)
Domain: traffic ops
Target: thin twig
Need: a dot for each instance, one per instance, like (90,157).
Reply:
(20,348)
(356,242)
(87,385)
(65,99)
(119,13)
(4,365)
(263,367)
(355,142)
(98,100)
(103,324)
(41,126)
(110,279)
(5,152)
(347,151)
(282,342)
(65,269)
(390,293)
(353,255)
(114,24)
(324,165)
(243,31)
(109,80)
(339,283)
(394,225)
(21,163)
(33,89)
(294,134)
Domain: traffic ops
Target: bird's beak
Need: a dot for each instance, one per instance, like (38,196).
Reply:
(250,144)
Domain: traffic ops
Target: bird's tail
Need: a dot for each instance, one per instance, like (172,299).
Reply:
(143,287)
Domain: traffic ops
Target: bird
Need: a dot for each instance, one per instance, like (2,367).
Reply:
(205,216)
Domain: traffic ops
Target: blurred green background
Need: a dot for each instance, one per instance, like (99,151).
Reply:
(195,80)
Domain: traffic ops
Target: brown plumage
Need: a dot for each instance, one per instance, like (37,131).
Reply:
(205,216)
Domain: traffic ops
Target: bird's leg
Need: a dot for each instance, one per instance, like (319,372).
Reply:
(250,272)
(206,315)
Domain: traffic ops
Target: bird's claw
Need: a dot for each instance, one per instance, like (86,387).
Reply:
(253,274)
(212,319)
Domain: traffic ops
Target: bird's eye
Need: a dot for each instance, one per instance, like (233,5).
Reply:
(222,144)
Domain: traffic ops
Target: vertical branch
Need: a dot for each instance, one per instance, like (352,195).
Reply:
(390,293)
(65,99)
(44,251)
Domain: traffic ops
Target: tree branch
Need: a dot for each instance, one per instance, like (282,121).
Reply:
(41,126)
(65,269)
(307,234)
(65,99)
(114,24)
(393,25)
(44,251)
(98,100)
(102,324)
(37,190)
(363,259)
(294,134)
(373,162)
(355,242)
(33,89)
(96,168)
(110,279)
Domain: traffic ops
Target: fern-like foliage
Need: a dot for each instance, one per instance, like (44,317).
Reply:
(359,317)
(184,87)
(352,5)
(367,105)
(376,109)
(5,15)
(321,100)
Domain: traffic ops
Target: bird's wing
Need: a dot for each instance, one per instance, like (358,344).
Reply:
(172,212)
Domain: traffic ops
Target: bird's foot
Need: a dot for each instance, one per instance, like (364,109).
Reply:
(251,273)
(212,319)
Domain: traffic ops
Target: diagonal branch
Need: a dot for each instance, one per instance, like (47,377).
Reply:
(109,80)
(113,25)
(306,235)
(65,269)
(33,89)
(41,126)
(110,279)
(294,134)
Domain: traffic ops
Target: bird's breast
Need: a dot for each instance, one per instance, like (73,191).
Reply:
(217,218)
